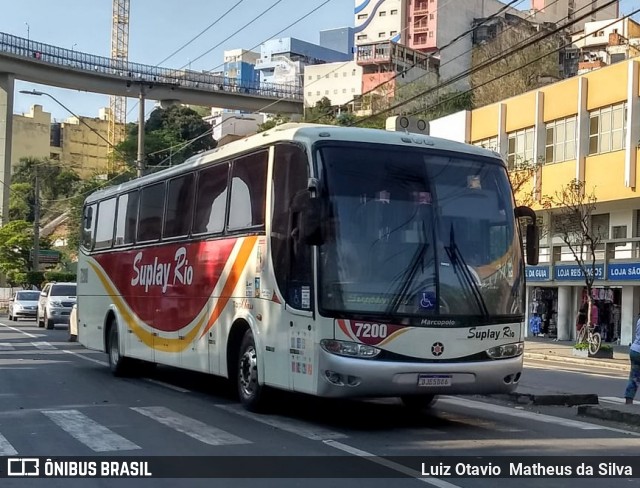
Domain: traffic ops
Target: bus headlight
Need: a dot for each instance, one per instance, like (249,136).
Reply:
(506,350)
(351,349)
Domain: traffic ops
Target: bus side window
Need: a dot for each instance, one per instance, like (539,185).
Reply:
(151,210)
(290,176)
(211,199)
(248,191)
(88,225)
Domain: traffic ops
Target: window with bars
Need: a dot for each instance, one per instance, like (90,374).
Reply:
(561,140)
(607,129)
(488,143)
(520,147)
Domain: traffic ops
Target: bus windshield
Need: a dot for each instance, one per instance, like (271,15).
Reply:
(416,233)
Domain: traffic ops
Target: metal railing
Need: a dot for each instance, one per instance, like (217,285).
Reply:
(136,72)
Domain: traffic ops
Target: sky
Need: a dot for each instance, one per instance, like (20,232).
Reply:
(156,29)
(159,27)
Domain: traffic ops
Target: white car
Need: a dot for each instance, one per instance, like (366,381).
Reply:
(56,301)
(24,304)
(73,324)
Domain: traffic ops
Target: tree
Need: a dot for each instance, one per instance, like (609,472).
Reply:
(56,180)
(16,244)
(174,134)
(496,81)
(573,223)
(277,119)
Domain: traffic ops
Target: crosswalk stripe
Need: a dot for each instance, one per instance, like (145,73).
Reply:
(90,433)
(43,345)
(191,427)
(6,449)
(289,425)
(6,347)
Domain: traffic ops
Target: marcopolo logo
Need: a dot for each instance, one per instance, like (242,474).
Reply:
(491,334)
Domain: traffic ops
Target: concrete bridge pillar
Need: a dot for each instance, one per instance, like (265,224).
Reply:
(6,130)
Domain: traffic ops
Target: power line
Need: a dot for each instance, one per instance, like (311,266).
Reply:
(430,56)
(525,65)
(201,33)
(260,15)
(486,63)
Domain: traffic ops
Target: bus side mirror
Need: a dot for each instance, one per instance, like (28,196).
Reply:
(533,244)
(311,222)
(533,234)
(308,224)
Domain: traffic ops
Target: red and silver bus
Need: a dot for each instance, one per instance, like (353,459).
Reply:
(333,261)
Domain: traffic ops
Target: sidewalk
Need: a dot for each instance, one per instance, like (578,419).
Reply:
(562,351)
(588,405)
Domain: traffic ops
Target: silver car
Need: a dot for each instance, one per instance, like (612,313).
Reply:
(24,304)
(56,302)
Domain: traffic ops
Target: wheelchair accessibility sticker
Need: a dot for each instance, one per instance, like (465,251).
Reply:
(428,300)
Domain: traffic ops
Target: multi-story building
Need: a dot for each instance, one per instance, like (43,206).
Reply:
(31,135)
(229,125)
(339,82)
(387,65)
(340,39)
(81,143)
(564,11)
(585,128)
(382,20)
(240,66)
(283,60)
(72,142)
(603,43)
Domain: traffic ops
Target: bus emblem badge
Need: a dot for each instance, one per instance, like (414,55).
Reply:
(437,348)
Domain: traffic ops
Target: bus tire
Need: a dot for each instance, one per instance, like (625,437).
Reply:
(249,389)
(418,403)
(117,363)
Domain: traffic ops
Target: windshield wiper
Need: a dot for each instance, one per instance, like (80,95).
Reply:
(409,275)
(461,269)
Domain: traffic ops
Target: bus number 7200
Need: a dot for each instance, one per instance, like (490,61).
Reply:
(376,331)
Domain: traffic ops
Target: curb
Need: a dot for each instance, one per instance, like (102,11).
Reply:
(568,400)
(562,359)
(609,414)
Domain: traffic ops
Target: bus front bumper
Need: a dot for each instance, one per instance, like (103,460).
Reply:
(352,377)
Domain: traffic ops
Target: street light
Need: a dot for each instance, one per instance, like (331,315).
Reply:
(74,45)
(28,31)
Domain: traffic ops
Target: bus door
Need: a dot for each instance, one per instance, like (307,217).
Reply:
(292,265)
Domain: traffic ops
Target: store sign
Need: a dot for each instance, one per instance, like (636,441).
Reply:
(538,273)
(623,271)
(572,272)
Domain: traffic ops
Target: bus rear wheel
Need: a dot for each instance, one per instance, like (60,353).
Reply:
(419,403)
(118,364)
(249,389)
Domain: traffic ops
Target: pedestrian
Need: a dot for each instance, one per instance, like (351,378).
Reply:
(634,374)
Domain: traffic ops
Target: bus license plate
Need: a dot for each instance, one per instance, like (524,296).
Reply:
(427,380)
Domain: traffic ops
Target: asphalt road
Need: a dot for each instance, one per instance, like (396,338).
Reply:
(58,399)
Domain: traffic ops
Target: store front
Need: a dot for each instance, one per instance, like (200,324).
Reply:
(606,303)
(543,311)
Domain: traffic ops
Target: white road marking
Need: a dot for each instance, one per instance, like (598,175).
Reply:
(6,449)
(528,415)
(5,346)
(97,361)
(167,385)
(93,435)
(390,464)
(43,345)
(294,426)
(18,330)
(191,427)
(616,400)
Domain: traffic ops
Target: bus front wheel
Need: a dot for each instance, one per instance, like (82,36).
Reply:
(249,389)
(418,403)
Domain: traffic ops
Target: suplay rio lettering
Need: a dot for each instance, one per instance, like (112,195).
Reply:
(157,273)
(491,334)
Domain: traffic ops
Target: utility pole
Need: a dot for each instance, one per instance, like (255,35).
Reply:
(140,162)
(36,219)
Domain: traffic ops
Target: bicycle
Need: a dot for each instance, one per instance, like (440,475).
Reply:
(587,334)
